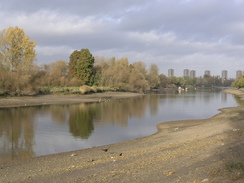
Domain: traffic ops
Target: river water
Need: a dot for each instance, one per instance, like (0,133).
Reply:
(48,129)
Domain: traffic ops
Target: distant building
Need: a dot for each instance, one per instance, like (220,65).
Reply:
(239,74)
(207,72)
(192,74)
(186,73)
(170,73)
(224,74)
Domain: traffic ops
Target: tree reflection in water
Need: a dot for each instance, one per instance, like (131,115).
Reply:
(18,125)
(17,133)
(81,121)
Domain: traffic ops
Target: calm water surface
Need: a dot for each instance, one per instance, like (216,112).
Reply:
(35,131)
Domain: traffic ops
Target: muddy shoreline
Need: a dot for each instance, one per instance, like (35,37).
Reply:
(208,150)
(62,99)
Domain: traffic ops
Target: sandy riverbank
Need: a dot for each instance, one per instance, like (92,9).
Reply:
(209,150)
(62,99)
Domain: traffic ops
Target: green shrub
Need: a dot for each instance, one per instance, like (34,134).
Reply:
(85,89)
(238,83)
(44,90)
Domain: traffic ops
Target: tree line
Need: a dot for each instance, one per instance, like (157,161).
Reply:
(21,75)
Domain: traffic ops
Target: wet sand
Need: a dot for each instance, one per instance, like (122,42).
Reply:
(62,99)
(209,150)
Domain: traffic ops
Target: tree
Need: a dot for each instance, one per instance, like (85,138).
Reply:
(177,81)
(17,56)
(101,64)
(73,59)
(238,83)
(153,76)
(141,67)
(17,51)
(117,74)
(81,66)
(163,81)
(137,81)
(3,77)
(58,73)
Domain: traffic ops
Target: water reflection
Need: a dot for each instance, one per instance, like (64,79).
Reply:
(17,133)
(153,104)
(119,111)
(238,100)
(34,131)
(81,121)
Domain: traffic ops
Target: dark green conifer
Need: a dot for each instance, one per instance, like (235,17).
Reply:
(81,65)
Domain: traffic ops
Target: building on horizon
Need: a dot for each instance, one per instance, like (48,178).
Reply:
(170,73)
(193,74)
(239,73)
(186,73)
(207,72)
(224,74)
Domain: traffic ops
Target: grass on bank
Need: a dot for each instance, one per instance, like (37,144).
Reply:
(75,90)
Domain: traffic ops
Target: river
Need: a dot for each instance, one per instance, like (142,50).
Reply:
(48,129)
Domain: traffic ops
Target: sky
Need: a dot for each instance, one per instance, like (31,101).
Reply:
(174,34)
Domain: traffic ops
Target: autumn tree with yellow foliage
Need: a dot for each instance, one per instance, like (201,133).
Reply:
(17,57)
(17,51)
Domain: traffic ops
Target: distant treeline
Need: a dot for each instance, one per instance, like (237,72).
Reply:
(20,74)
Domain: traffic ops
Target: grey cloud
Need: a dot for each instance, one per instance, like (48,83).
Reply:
(196,20)
(170,33)
(80,7)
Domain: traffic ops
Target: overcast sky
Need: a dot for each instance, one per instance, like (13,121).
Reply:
(179,34)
